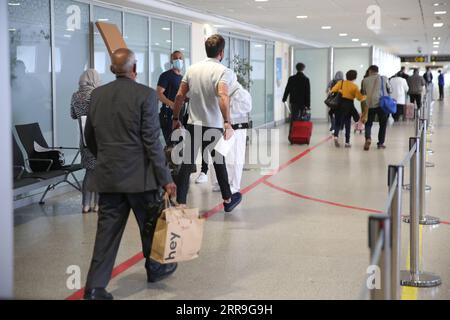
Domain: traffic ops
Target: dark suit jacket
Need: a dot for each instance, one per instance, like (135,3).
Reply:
(123,132)
(299,90)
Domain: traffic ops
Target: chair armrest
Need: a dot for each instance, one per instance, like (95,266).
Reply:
(50,161)
(22,170)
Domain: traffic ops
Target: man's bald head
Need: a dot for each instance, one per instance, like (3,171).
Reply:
(123,63)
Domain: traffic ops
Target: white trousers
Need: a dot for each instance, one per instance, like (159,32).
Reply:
(235,160)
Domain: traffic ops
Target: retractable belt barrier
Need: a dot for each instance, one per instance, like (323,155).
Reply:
(385,278)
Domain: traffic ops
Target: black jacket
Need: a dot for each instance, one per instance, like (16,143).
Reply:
(123,132)
(299,90)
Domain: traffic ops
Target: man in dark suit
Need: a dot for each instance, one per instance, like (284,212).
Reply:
(299,91)
(123,131)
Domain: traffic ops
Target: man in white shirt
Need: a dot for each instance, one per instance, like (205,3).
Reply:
(400,89)
(207,83)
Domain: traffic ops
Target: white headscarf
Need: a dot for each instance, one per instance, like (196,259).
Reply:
(89,80)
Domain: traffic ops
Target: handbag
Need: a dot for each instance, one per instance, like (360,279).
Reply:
(387,103)
(56,156)
(178,234)
(333,101)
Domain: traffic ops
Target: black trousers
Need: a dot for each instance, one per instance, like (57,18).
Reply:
(416,98)
(194,144)
(112,219)
(382,118)
(400,112)
(165,121)
(441,92)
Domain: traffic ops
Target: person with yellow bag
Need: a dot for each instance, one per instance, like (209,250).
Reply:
(347,110)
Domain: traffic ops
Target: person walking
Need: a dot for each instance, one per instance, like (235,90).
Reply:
(416,84)
(372,87)
(298,90)
(400,89)
(338,77)
(207,84)
(168,85)
(344,112)
(402,73)
(79,107)
(441,83)
(122,131)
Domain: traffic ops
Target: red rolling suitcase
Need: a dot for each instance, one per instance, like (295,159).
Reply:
(300,132)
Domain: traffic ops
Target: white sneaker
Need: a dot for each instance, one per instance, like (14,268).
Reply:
(202,178)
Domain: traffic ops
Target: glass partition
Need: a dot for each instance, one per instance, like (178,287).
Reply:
(71,31)
(317,70)
(30,54)
(182,41)
(136,38)
(258,88)
(161,48)
(270,82)
(358,59)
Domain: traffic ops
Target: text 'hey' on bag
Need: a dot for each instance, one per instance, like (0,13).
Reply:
(178,234)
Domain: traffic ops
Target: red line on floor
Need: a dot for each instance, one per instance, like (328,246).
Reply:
(336,204)
(116,271)
(138,257)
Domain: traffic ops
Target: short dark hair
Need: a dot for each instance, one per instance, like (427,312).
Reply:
(351,75)
(300,67)
(214,45)
(374,68)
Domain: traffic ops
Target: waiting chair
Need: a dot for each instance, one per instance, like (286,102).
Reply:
(30,133)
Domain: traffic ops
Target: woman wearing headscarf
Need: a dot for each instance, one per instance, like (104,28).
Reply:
(338,77)
(89,80)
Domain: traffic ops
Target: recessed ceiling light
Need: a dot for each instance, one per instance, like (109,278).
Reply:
(157,44)
(182,49)
(355,40)
(436,38)
(438,25)
(261,0)
(343,34)
(302,17)
(12,30)
(435,52)
(436,42)
(166,29)
(440,12)
(103,19)
(13,3)
(326,27)
(258,45)
(67,36)
(169,41)
(218,26)
(364,44)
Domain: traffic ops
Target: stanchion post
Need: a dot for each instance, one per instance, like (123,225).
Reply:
(377,223)
(424,219)
(395,212)
(413,277)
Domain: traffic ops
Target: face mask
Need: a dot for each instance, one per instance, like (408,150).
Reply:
(178,64)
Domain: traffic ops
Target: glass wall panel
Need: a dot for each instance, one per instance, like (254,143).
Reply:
(226,59)
(101,55)
(270,82)
(358,59)
(182,41)
(136,37)
(161,48)
(317,70)
(29,32)
(71,31)
(258,76)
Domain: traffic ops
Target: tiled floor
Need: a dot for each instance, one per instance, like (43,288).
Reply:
(283,242)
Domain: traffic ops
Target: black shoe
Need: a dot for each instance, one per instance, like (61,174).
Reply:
(235,201)
(97,294)
(157,271)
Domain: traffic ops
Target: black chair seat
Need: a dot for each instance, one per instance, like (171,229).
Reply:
(48,175)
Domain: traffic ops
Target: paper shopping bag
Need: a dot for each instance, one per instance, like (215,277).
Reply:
(178,235)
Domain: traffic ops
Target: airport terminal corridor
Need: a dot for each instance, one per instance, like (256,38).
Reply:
(299,234)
